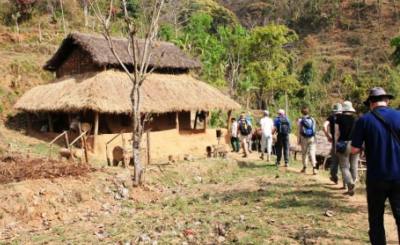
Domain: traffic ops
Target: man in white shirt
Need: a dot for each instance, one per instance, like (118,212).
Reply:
(234,136)
(266,135)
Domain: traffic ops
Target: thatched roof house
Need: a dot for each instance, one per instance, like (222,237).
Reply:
(94,54)
(91,85)
(109,92)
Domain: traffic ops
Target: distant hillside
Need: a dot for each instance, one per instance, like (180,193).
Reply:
(347,39)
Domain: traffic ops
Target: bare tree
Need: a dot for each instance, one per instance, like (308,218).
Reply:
(140,58)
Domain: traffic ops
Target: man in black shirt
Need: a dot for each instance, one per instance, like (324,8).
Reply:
(329,130)
(348,162)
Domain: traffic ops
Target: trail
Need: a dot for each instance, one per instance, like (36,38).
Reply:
(358,201)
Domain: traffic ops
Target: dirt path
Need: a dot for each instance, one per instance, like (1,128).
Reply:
(358,201)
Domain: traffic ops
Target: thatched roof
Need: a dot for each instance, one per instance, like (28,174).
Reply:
(164,54)
(109,92)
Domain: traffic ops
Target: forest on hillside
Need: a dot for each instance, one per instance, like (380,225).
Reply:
(265,54)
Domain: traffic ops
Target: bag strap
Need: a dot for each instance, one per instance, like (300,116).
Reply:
(387,125)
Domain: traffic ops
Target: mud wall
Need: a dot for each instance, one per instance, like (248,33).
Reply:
(164,143)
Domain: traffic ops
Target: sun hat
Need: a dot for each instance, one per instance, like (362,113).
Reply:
(337,107)
(377,92)
(281,112)
(266,113)
(348,107)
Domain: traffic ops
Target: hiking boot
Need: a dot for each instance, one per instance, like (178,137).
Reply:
(303,170)
(314,171)
(334,180)
(351,189)
(262,157)
(286,164)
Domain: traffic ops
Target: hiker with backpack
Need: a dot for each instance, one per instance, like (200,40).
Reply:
(306,139)
(379,131)
(348,161)
(282,127)
(329,130)
(244,131)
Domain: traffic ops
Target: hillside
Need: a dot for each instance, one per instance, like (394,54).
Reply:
(349,40)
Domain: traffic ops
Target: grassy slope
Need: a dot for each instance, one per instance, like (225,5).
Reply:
(245,198)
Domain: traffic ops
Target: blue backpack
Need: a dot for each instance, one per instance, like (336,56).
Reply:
(307,127)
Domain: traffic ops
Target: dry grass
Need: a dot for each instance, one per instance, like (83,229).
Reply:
(109,92)
(164,55)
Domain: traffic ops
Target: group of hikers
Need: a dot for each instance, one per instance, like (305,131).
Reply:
(375,133)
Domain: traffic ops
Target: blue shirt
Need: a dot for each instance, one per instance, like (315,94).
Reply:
(381,148)
(277,123)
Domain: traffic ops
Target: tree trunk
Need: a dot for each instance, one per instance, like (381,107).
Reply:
(137,134)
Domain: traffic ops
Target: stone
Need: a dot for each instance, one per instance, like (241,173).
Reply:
(221,239)
(198,179)
(117,196)
(144,238)
(123,192)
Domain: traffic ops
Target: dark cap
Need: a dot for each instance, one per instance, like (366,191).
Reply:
(377,92)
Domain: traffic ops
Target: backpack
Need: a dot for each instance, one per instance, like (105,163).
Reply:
(307,127)
(244,128)
(284,126)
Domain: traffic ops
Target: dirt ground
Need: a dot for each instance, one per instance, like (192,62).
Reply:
(207,201)
(15,168)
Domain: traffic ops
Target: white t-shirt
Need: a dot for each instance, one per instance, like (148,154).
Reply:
(266,126)
(234,129)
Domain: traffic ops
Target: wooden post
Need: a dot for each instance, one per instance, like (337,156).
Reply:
(51,128)
(205,121)
(148,147)
(177,120)
(96,129)
(228,123)
(85,150)
(67,140)
(195,120)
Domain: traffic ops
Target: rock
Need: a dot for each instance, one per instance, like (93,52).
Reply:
(117,196)
(188,157)
(221,239)
(101,234)
(154,243)
(123,192)
(144,238)
(329,213)
(198,179)
(242,218)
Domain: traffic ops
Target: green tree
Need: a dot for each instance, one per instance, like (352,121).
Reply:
(198,41)
(271,62)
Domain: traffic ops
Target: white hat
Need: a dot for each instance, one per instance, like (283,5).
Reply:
(281,112)
(266,113)
(348,107)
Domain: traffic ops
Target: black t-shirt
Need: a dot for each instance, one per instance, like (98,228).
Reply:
(331,119)
(346,123)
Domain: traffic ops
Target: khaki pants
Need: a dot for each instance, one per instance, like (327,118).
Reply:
(244,141)
(349,165)
(308,150)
